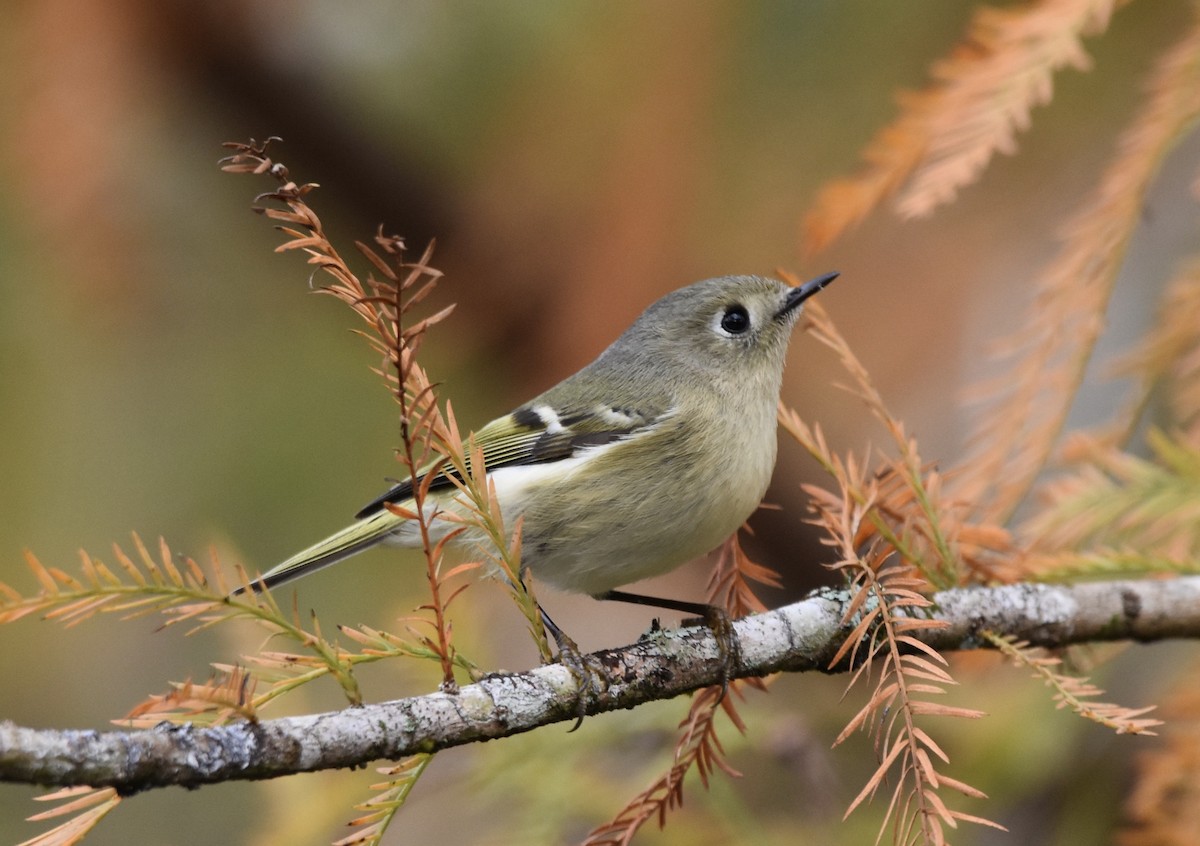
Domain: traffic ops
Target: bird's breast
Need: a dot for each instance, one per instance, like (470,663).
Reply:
(641,506)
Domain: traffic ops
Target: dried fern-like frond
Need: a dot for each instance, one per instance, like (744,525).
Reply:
(885,610)
(1169,358)
(910,509)
(1114,500)
(1019,429)
(989,84)
(980,96)
(731,584)
(90,805)
(137,587)
(885,498)
(143,584)
(1115,512)
(241,690)
(1100,562)
(384,300)
(383,807)
(1163,807)
(940,566)
(1077,694)
(431,448)
(499,548)
(376,644)
(245,689)
(896,537)
(889,158)
(698,748)
(217,701)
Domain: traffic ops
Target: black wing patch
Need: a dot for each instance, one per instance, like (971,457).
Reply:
(532,435)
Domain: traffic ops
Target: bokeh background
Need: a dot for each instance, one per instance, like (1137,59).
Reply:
(161,371)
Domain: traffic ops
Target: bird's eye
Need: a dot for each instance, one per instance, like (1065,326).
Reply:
(736,320)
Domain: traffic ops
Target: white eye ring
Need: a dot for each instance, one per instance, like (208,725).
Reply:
(732,321)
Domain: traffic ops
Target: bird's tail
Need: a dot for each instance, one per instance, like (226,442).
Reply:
(341,545)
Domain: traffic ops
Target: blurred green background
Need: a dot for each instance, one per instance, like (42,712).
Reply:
(161,371)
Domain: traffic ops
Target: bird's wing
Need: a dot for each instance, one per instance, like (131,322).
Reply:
(536,433)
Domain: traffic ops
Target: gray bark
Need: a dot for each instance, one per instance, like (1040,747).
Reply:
(796,638)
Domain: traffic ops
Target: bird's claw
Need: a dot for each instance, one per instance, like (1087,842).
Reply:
(589,675)
(729,651)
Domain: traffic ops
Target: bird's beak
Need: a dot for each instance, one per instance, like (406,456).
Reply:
(798,295)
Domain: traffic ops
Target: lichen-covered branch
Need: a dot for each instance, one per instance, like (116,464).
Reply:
(798,637)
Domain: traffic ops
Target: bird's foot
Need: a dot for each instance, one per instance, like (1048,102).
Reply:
(729,651)
(590,678)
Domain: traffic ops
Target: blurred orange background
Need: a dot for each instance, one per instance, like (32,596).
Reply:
(161,371)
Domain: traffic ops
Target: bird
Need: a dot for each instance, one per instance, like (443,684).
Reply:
(649,457)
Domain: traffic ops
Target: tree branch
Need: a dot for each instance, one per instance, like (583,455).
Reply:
(796,638)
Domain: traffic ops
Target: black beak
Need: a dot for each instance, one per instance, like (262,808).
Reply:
(798,295)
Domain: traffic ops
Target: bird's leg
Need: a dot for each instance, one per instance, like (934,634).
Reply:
(591,679)
(717,619)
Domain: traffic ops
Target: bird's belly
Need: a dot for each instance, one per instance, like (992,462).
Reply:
(605,560)
(585,532)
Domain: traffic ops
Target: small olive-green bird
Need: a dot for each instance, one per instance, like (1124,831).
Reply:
(650,456)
